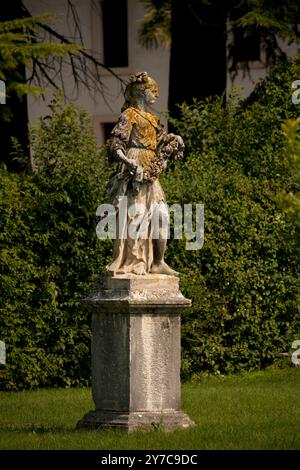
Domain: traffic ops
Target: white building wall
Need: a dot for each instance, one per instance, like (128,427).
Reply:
(103,109)
(245,78)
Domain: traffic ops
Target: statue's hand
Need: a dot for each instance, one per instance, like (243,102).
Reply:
(180,141)
(178,146)
(177,141)
(132,166)
(135,170)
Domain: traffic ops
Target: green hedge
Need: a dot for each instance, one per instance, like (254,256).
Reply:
(50,254)
(244,282)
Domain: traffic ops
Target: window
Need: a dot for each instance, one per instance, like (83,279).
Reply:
(115,33)
(107,128)
(246,48)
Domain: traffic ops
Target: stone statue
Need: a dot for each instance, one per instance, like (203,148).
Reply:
(136,319)
(140,148)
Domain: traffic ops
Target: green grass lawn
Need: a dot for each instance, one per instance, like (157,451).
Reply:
(258,410)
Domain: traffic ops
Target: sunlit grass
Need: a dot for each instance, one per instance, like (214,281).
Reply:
(252,411)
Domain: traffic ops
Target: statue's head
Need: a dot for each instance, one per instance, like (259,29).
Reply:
(140,86)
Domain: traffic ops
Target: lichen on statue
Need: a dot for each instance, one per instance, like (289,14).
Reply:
(141,148)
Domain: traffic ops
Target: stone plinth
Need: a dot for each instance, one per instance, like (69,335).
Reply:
(136,353)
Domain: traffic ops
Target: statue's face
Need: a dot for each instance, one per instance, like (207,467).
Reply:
(151,93)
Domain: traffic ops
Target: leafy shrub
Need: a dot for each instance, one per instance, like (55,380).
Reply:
(50,253)
(290,198)
(244,282)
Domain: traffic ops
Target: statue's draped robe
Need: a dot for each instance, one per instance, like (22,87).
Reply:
(137,133)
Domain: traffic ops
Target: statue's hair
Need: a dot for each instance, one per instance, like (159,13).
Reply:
(139,81)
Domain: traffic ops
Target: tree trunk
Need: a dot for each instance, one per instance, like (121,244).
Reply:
(13,114)
(198,52)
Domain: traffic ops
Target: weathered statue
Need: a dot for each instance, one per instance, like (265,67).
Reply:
(141,148)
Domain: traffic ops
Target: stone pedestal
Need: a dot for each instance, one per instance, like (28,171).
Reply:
(136,353)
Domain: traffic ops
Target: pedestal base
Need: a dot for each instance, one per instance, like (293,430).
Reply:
(136,420)
(136,353)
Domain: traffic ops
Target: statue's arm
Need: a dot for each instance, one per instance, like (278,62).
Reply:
(118,144)
(118,141)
